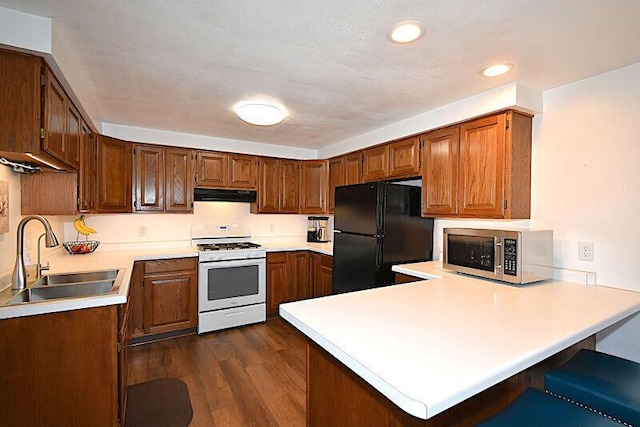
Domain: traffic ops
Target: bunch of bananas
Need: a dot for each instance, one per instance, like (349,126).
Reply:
(81,227)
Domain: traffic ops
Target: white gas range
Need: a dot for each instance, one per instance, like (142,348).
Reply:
(232,277)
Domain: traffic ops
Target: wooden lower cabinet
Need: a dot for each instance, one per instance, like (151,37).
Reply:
(405,278)
(164,296)
(321,276)
(61,369)
(296,275)
(355,403)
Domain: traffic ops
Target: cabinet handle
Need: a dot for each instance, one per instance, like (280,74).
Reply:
(163,281)
(237,313)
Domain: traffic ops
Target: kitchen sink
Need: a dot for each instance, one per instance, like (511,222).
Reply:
(70,278)
(64,291)
(69,285)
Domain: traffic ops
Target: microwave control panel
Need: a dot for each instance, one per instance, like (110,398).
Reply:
(510,257)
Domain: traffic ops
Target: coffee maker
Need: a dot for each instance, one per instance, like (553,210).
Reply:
(318,229)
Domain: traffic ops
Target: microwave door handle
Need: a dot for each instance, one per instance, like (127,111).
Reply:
(497,244)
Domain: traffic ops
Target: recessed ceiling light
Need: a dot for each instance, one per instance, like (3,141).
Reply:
(406,32)
(496,70)
(260,113)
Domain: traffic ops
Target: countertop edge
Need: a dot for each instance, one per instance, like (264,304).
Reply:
(410,406)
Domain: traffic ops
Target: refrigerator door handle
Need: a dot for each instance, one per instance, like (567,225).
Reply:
(337,231)
(379,256)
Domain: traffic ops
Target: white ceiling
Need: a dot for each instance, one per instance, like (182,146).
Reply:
(182,65)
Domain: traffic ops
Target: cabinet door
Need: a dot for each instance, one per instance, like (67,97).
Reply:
(289,186)
(278,290)
(242,171)
(178,180)
(114,164)
(299,275)
(212,169)
(375,163)
(404,157)
(170,302)
(336,178)
(269,186)
(440,172)
(313,186)
(87,172)
(323,271)
(482,165)
(20,102)
(149,178)
(73,136)
(55,117)
(353,168)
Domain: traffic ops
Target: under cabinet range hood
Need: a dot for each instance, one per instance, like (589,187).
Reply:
(222,195)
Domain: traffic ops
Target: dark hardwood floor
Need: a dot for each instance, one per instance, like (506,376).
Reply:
(248,376)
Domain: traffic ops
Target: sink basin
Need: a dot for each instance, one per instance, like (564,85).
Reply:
(63,291)
(69,278)
(67,285)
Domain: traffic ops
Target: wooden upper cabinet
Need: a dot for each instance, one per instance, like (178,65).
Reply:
(178,164)
(226,170)
(404,158)
(440,172)
(114,177)
(87,172)
(149,178)
(73,136)
(36,115)
(289,187)
(19,102)
(480,169)
(353,168)
(375,163)
(61,123)
(336,178)
(163,179)
(212,169)
(313,186)
(243,171)
(268,186)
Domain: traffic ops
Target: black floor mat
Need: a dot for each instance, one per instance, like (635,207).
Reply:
(158,403)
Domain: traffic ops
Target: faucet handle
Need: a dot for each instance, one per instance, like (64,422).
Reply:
(42,268)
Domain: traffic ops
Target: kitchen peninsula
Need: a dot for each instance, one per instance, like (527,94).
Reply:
(451,350)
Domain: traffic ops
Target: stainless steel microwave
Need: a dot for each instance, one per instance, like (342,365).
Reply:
(513,256)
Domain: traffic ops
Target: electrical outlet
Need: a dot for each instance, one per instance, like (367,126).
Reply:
(142,231)
(585,251)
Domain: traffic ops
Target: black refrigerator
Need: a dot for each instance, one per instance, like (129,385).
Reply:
(377,225)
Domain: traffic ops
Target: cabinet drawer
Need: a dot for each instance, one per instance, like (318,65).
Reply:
(167,265)
(276,257)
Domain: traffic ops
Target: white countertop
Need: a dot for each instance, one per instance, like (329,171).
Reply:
(431,344)
(61,262)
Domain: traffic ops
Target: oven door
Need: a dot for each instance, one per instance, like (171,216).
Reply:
(228,284)
(476,252)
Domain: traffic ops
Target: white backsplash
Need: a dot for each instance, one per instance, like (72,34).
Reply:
(175,229)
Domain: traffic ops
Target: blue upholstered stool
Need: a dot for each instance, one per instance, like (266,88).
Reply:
(535,408)
(605,383)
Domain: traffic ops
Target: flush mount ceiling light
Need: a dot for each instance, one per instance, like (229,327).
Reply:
(260,113)
(406,32)
(496,70)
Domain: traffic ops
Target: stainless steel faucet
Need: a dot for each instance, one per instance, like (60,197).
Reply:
(19,272)
(39,267)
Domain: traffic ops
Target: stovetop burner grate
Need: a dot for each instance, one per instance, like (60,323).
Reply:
(227,246)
